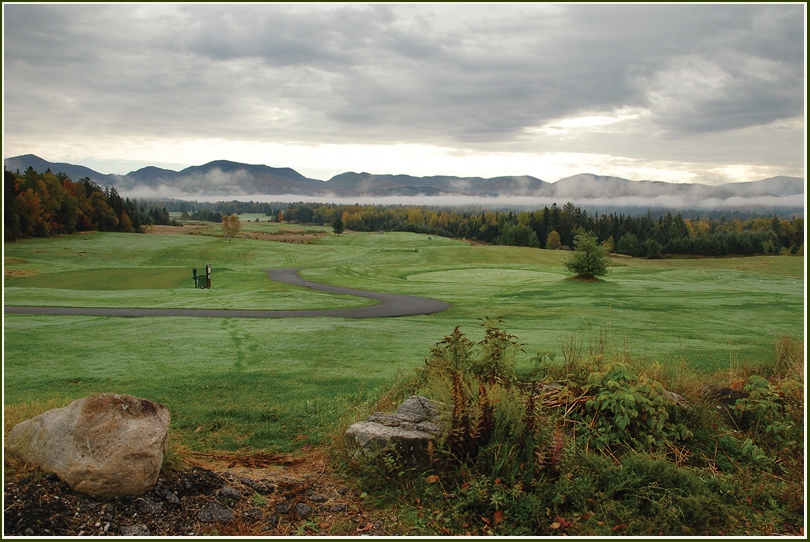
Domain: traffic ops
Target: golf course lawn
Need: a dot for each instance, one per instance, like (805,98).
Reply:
(267,383)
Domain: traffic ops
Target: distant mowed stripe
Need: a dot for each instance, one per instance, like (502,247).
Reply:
(111,279)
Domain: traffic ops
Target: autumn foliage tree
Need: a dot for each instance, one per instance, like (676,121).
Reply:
(44,204)
(231,225)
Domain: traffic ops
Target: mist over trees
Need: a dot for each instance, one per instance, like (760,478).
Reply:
(43,204)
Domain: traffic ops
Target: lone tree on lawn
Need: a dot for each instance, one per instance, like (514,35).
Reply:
(590,259)
(337,226)
(231,225)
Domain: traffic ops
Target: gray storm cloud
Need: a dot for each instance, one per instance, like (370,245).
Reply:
(459,76)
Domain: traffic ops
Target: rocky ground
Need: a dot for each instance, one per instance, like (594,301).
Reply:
(260,496)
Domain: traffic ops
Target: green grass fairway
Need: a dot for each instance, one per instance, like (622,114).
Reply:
(265,382)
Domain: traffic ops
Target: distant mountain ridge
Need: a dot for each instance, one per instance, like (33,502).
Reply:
(226,178)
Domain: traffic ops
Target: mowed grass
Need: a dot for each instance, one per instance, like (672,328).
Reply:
(280,383)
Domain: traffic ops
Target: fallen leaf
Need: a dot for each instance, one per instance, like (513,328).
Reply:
(562,521)
(432,479)
(621,526)
(498,517)
(555,525)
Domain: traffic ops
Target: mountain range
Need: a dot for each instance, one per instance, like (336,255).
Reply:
(233,179)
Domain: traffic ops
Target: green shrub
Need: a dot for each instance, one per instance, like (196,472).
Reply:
(602,451)
(626,410)
(772,413)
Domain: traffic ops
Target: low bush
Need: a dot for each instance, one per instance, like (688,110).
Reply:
(594,445)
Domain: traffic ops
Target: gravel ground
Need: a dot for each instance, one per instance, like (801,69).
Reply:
(304,500)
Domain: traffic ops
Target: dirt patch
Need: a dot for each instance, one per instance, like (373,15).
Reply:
(185,229)
(474,242)
(225,495)
(286,236)
(10,274)
(302,238)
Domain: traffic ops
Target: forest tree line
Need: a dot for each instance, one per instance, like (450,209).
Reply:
(45,204)
(555,227)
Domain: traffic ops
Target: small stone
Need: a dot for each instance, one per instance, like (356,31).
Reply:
(254,513)
(215,512)
(303,510)
(283,508)
(416,409)
(315,497)
(148,507)
(135,530)
(229,494)
(171,498)
(266,487)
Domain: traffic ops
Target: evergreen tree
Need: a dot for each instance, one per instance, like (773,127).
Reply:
(590,259)
(11,220)
(337,226)
(628,245)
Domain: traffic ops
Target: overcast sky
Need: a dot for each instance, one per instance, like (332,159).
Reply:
(680,93)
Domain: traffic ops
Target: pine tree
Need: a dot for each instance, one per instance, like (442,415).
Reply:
(590,259)
(337,226)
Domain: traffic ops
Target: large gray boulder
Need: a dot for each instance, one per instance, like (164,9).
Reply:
(406,432)
(106,444)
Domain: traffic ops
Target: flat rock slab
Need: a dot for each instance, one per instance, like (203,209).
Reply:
(407,432)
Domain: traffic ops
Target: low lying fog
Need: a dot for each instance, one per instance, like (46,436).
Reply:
(500,202)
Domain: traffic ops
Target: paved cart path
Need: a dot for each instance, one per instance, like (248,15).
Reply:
(391,305)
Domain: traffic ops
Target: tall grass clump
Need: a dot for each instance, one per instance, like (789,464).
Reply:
(597,443)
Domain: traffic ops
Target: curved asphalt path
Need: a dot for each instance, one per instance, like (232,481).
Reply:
(391,305)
